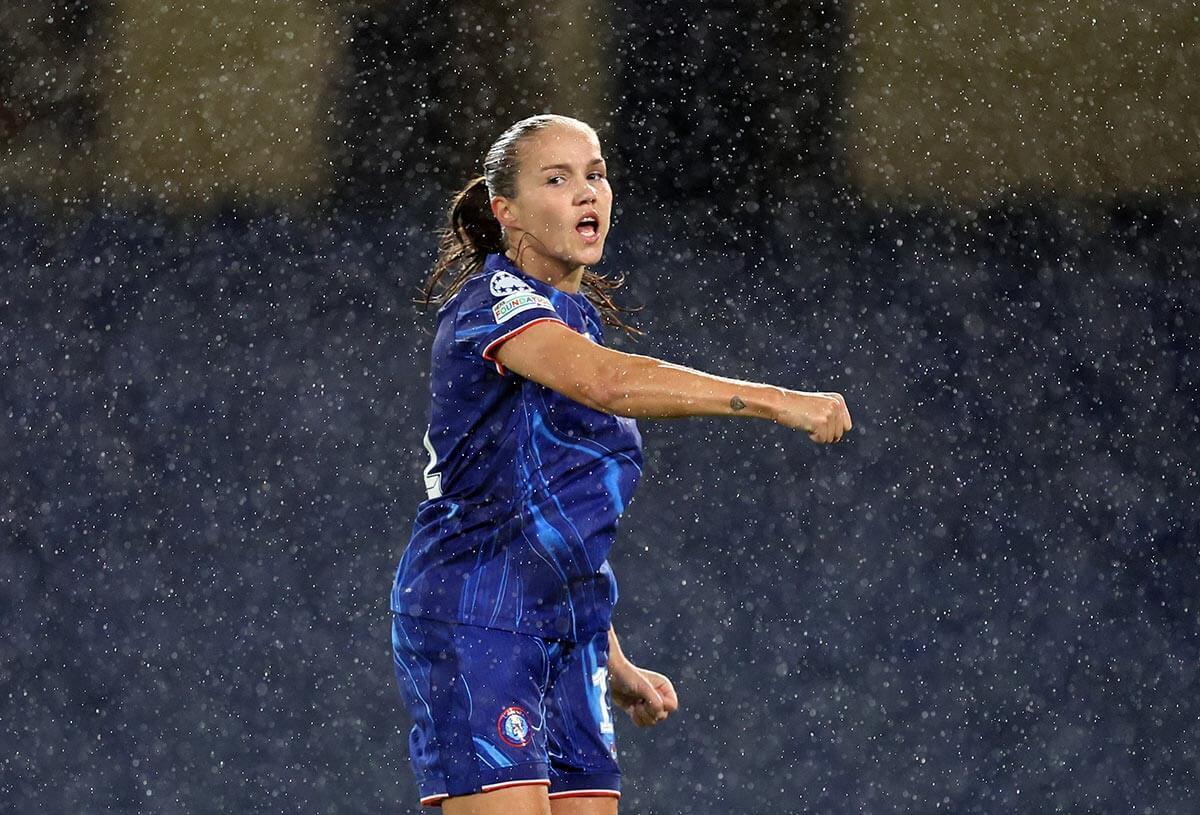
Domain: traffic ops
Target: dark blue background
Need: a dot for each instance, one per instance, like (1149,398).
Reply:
(983,600)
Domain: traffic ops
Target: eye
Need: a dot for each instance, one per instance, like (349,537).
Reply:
(596,175)
(555,179)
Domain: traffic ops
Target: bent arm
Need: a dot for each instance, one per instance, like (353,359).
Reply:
(641,387)
(647,696)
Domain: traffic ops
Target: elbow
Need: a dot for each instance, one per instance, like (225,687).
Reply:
(609,387)
(600,392)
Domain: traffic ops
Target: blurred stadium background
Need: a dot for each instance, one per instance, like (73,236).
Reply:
(982,225)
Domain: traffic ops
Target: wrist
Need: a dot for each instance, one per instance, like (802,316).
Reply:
(769,403)
(619,663)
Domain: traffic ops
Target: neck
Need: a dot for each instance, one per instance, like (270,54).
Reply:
(557,274)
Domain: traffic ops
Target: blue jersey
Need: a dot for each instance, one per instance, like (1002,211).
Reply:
(525,486)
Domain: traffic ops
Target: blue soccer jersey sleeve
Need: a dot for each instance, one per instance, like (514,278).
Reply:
(494,308)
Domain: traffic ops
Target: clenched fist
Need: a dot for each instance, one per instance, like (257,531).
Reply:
(823,416)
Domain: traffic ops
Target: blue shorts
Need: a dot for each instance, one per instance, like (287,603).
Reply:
(494,709)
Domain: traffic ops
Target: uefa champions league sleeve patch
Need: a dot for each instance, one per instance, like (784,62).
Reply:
(505,283)
(513,727)
(516,296)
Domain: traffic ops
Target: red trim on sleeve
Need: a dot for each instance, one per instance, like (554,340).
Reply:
(488,352)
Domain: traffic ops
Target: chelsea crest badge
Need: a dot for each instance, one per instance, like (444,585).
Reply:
(513,727)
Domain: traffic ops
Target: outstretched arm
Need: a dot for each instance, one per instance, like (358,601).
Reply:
(553,355)
(647,696)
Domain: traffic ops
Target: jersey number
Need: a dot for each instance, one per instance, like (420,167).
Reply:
(433,481)
(600,682)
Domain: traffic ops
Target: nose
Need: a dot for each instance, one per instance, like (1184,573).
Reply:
(588,193)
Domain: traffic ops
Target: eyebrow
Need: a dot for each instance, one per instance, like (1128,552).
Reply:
(567,166)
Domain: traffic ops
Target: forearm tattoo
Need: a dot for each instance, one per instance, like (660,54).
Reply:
(737,404)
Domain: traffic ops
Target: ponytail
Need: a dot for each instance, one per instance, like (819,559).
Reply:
(473,234)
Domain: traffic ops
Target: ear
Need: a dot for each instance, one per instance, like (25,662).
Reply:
(505,211)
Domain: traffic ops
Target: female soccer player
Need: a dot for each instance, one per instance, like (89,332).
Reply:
(502,639)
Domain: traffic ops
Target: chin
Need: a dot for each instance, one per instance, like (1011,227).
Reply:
(592,255)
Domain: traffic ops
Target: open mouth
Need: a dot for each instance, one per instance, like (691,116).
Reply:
(588,226)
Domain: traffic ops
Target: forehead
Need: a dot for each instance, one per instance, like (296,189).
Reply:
(559,143)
